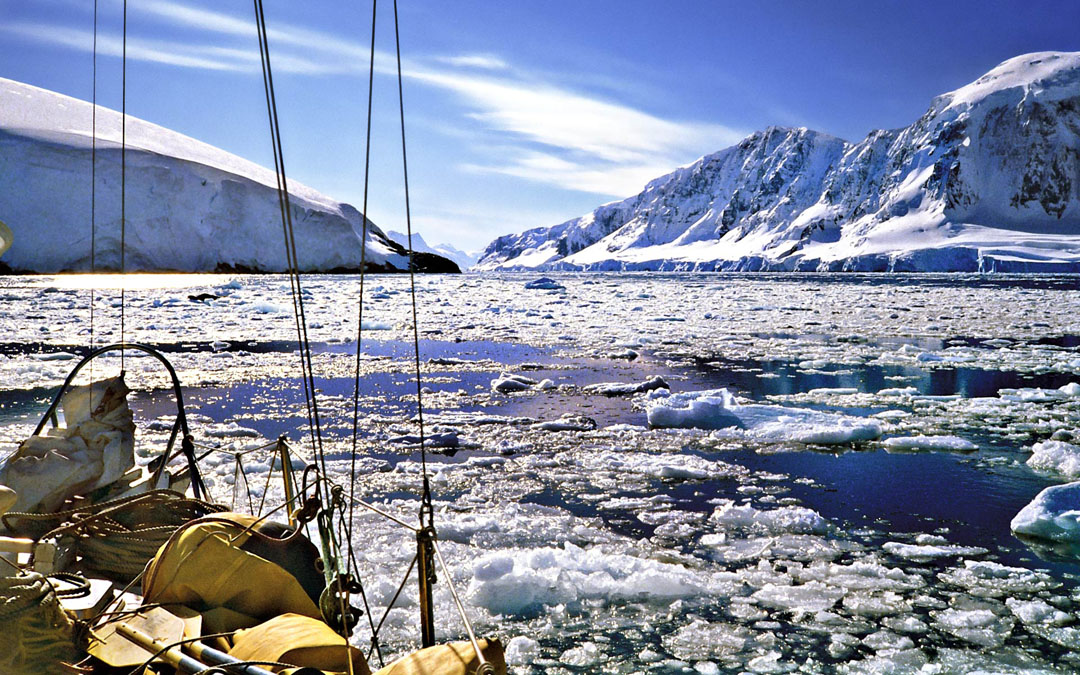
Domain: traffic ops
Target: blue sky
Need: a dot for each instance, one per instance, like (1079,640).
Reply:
(521,113)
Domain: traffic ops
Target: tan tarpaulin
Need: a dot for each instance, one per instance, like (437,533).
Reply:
(456,658)
(204,568)
(298,641)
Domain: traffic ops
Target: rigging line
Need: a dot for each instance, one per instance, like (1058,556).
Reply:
(292,261)
(123,178)
(363,261)
(294,294)
(305,346)
(359,341)
(93,184)
(425,503)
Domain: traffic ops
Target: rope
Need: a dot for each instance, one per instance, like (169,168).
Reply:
(93,183)
(37,634)
(123,179)
(425,502)
(290,237)
(457,602)
(353,565)
(393,601)
(363,261)
(118,538)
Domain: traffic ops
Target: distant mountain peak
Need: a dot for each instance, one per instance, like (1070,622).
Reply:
(1058,72)
(987,180)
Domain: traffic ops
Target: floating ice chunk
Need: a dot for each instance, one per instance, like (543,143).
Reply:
(777,424)
(833,391)
(987,579)
(568,423)
(710,409)
(809,597)
(508,382)
(887,640)
(1054,514)
(53,356)
(804,547)
(521,581)
(786,519)
(543,284)
(230,430)
(933,443)
(891,663)
(770,663)
(448,439)
(219,345)
(926,553)
(1056,457)
(898,391)
(1037,395)
(861,576)
(621,389)
(700,640)
(625,354)
(716,409)
(671,466)
(875,605)
(977,626)
(375,325)
(584,655)
(1038,612)
(267,308)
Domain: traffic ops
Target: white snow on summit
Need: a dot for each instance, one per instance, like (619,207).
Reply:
(988,179)
(189,206)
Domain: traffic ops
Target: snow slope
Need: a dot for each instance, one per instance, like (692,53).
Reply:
(988,179)
(189,206)
(461,258)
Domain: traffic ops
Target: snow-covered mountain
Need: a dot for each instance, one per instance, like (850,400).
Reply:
(464,260)
(189,206)
(987,180)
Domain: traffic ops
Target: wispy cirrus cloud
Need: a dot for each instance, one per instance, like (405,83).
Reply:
(588,143)
(482,61)
(527,126)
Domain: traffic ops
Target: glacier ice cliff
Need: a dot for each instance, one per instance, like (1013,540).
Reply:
(188,206)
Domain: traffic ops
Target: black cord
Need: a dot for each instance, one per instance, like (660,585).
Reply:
(425,503)
(359,342)
(93,183)
(290,241)
(123,178)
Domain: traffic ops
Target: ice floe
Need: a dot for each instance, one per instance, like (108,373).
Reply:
(1056,457)
(934,443)
(718,409)
(1054,514)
